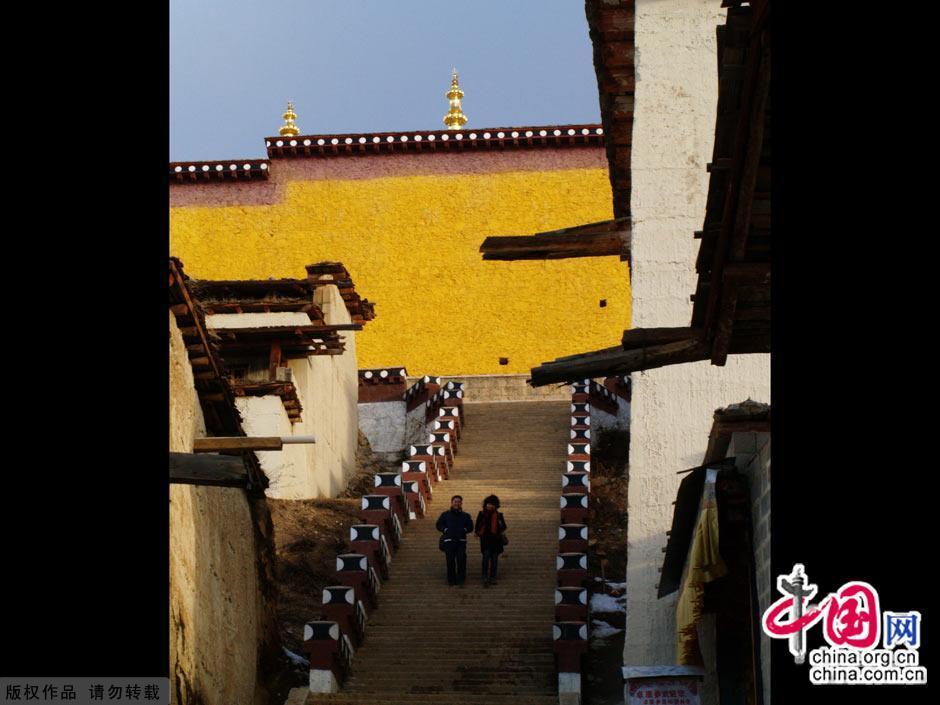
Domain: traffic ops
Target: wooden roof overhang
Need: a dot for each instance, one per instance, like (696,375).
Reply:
(212,389)
(323,273)
(731,303)
(295,341)
(275,295)
(235,346)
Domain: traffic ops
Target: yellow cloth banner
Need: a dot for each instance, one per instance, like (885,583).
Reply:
(703,565)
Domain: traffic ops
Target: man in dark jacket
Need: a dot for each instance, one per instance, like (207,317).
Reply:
(455,524)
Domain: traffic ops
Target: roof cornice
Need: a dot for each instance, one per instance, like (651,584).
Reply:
(490,138)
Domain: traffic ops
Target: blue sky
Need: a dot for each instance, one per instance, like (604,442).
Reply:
(363,65)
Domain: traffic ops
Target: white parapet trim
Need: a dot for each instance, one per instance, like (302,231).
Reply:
(569,689)
(323,681)
(384,424)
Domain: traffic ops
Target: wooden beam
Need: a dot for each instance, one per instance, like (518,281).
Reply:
(613,361)
(284,332)
(644,337)
(732,198)
(203,338)
(606,238)
(540,247)
(229,444)
(578,356)
(747,273)
(755,143)
(274,359)
(744,426)
(212,470)
(724,327)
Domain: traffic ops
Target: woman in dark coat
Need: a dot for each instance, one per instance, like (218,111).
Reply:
(490,527)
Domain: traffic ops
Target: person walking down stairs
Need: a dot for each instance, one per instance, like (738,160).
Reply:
(455,524)
(491,528)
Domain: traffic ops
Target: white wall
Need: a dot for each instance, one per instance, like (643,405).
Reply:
(214,594)
(286,469)
(416,427)
(327,386)
(383,423)
(671,408)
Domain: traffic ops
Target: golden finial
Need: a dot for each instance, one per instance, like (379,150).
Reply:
(289,129)
(455,119)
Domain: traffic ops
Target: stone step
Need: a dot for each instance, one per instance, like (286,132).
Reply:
(505,655)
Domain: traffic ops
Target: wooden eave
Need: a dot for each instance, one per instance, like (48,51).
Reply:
(277,305)
(324,273)
(253,289)
(264,295)
(213,391)
(732,296)
(295,341)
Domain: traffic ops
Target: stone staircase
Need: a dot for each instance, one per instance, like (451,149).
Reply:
(441,645)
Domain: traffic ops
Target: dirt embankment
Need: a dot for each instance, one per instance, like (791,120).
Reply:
(308,534)
(608,513)
(607,566)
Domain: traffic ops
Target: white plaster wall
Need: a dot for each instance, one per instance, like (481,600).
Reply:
(257,320)
(416,428)
(383,423)
(214,597)
(186,421)
(672,415)
(286,469)
(671,408)
(327,386)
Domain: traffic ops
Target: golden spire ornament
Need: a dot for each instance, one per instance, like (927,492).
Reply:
(289,128)
(455,119)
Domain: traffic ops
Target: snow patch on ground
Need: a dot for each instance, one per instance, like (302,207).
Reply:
(605,603)
(602,630)
(294,658)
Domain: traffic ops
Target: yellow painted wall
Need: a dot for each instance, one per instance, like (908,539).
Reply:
(412,244)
